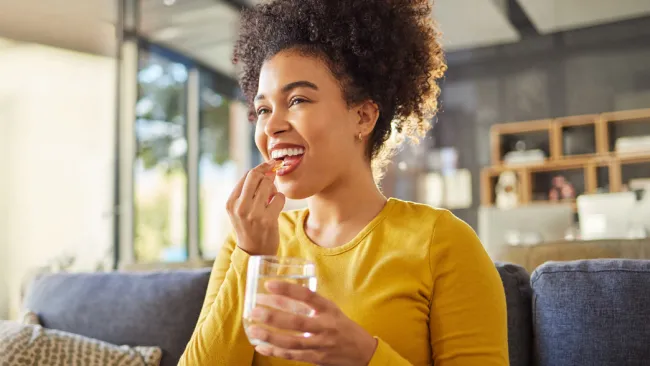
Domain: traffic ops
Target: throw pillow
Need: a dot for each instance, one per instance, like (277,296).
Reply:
(30,317)
(22,344)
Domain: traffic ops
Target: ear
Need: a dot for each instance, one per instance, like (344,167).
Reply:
(368,114)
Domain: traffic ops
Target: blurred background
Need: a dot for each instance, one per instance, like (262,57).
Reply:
(122,132)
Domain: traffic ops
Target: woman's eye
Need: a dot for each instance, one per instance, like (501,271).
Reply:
(262,111)
(295,101)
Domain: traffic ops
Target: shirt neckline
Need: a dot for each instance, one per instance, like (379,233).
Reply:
(304,239)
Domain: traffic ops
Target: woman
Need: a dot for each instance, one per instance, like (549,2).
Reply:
(333,87)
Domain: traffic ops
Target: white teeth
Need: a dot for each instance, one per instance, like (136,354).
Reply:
(281,153)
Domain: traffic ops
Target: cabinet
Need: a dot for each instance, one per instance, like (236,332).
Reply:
(582,147)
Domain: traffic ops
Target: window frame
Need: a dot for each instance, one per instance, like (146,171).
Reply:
(129,46)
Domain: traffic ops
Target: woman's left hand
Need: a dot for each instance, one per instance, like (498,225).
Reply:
(334,339)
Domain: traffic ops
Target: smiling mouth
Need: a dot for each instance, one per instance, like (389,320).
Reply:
(288,159)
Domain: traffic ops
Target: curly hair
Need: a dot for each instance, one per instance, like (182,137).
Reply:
(387,51)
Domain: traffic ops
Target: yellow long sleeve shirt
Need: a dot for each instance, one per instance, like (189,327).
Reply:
(415,277)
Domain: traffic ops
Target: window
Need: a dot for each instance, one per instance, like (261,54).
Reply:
(218,173)
(160,169)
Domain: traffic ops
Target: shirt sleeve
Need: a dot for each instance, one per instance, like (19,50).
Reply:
(219,338)
(468,319)
(386,356)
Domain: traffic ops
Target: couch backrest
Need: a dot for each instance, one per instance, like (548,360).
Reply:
(161,308)
(592,312)
(137,309)
(516,283)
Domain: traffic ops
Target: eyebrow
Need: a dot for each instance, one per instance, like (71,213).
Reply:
(289,87)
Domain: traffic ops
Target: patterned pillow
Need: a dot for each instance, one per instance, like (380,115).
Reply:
(30,317)
(23,344)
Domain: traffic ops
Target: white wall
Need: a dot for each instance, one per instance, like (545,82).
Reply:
(55,160)
(5,115)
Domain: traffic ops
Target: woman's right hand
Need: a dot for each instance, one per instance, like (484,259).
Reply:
(254,207)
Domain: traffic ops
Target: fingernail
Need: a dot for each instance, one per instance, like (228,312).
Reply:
(255,332)
(265,350)
(272,285)
(259,314)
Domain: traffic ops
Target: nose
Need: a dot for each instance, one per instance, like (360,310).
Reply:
(276,125)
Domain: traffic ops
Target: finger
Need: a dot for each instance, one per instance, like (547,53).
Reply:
(266,167)
(275,166)
(308,356)
(263,193)
(287,321)
(300,293)
(284,304)
(274,191)
(263,170)
(236,192)
(275,301)
(253,180)
(286,341)
(277,204)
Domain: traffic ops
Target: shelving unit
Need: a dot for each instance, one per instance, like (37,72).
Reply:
(516,128)
(557,160)
(592,122)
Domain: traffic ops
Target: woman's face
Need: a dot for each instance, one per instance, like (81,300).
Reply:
(303,120)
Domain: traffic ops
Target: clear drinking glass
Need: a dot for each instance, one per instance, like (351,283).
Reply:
(262,269)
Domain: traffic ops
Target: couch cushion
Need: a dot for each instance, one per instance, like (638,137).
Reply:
(516,283)
(592,312)
(136,309)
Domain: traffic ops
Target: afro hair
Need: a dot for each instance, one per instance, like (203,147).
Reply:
(387,51)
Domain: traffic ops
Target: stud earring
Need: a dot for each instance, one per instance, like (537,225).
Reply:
(360,137)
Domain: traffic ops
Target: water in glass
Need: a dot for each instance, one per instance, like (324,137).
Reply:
(262,269)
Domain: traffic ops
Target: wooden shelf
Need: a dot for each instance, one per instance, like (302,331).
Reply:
(558,161)
(504,129)
(589,120)
(522,127)
(638,115)
(555,165)
(632,158)
(573,162)
(626,116)
(584,120)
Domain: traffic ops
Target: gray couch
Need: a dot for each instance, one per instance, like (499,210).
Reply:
(591,313)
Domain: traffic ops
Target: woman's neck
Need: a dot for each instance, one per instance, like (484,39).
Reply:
(340,212)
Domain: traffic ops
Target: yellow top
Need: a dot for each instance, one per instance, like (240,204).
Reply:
(415,277)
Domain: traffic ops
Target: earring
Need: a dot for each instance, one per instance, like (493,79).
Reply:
(360,137)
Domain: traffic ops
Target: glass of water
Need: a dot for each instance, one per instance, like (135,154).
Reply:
(262,269)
